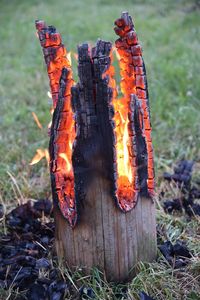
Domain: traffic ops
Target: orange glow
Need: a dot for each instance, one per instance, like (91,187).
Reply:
(125,176)
(134,84)
(68,164)
(69,58)
(40,153)
(64,132)
(49,94)
(129,157)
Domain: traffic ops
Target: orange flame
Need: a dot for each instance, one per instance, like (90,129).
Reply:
(40,153)
(49,94)
(68,164)
(125,178)
(69,58)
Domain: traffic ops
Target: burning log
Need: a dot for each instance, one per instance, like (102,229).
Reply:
(134,83)
(97,182)
(62,129)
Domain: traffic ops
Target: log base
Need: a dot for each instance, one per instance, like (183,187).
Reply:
(105,237)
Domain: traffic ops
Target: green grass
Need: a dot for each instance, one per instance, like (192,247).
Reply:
(170,34)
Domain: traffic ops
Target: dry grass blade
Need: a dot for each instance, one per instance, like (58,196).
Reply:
(21,200)
(35,117)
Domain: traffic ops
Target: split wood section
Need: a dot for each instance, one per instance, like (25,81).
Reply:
(103,229)
(107,238)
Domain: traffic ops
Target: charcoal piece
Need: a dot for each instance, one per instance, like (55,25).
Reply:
(23,277)
(54,274)
(184,166)
(177,177)
(9,250)
(193,210)
(180,263)
(43,205)
(194,193)
(14,221)
(28,261)
(45,240)
(20,253)
(86,292)
(167,250)
(182,174)
(191,207)
(42,263)
(144,296)
(171,205)
(1,211)
(37,292)
(2,284)
(56,296)
(177,255)
(57,290)
(180,249)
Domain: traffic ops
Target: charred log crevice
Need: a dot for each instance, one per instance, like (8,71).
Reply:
(55,56)
(91,101)
(135,84)
(62,131)
(62,180)
(93,133)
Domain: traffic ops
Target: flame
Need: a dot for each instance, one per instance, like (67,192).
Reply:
(125,176)
(61,160)
(122,140)
(68,55)
(49,94)
(68,163)
(40,153)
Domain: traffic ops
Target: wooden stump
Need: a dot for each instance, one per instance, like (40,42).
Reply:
(107,238)
(104,213)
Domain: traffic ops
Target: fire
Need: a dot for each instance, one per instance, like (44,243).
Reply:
(49,94)
(125,179)
(40,153)
(121,130)
(135,90)
(133,145)
(58,61)
(68,163)
(68,55)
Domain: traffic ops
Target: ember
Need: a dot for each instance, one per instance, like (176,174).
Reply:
(122,123)
(188,191)
(58,63)
(134,146)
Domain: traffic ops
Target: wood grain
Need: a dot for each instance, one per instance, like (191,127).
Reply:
(107,238)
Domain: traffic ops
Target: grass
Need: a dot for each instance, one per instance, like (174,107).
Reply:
(170,35)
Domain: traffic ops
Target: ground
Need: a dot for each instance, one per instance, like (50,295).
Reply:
(170,34)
